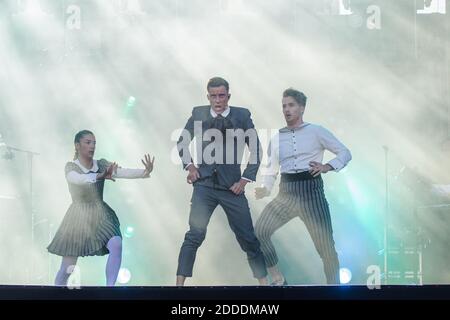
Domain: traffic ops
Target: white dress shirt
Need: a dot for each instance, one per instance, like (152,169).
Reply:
(90,175)
(291,150)
(224,114)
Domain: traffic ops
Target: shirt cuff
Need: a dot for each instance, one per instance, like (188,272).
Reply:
(336,164)
(249,180)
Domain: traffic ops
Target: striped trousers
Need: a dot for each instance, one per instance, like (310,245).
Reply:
(304,199)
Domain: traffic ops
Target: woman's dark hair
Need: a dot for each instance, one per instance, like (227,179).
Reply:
(78,138)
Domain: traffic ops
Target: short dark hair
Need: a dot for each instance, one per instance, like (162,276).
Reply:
(297,95)
(217,82)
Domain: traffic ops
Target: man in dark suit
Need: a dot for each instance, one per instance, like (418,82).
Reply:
(222,132)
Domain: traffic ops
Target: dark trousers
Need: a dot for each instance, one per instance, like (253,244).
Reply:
(304,199)
(204,201)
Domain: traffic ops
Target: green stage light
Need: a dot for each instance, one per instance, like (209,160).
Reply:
(129,232)
(124,276)
(345,275)
(129,106)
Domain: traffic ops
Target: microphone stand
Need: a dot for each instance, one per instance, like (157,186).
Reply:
(386,216)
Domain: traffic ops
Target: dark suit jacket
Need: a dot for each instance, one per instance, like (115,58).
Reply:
(222,175)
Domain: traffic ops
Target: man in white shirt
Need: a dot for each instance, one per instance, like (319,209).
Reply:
(297,151)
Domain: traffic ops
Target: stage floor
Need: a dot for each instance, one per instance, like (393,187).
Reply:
(253,293)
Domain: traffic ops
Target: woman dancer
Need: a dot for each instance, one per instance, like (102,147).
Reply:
(90,227)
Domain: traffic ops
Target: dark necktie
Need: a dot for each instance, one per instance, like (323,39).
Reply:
(219,123)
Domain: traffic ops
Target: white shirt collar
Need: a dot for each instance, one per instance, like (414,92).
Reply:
(286,129)
(224,114)
(94,168)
